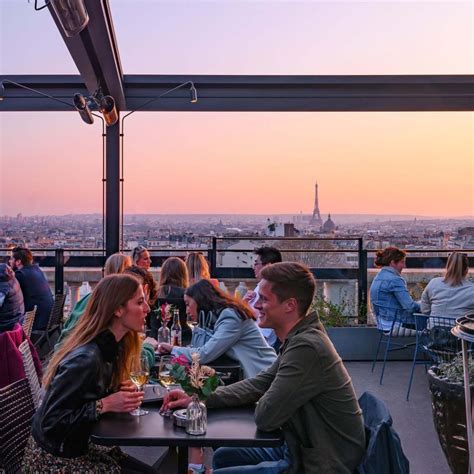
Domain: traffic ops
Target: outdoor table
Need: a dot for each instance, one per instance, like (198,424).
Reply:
(229,427)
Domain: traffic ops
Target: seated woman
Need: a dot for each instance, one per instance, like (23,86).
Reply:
(198,268)
(231,328)
(174,280)
(86,377)
(453,294)
(116,263)
(389,293)
(12,308)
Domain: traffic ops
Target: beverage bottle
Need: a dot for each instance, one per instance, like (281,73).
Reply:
(176,332)
(223,287)
(164,333)
(241,290)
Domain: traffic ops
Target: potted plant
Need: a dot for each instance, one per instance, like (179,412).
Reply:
(449,413)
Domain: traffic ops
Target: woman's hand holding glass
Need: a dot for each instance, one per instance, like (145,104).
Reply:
(122,401)
(139,375)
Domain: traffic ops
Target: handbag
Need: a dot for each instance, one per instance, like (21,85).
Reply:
(205,328)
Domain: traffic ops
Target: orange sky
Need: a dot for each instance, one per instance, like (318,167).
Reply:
(390,163)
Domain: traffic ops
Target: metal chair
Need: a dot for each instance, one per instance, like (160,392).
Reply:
(16,411)
(29,321)
(433,339)
(54,323)
(401,326)
(30,372)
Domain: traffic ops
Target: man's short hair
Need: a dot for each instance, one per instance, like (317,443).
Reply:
(291,280)
(268,255)
(23,254)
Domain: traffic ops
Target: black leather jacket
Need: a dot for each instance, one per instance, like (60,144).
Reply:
(63,422)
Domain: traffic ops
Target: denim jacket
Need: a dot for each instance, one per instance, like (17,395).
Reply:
(390,299)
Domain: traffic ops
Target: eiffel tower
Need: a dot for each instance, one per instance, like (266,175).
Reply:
(316,218)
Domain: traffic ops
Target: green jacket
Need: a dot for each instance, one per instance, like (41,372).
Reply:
(76,315)
(308,393)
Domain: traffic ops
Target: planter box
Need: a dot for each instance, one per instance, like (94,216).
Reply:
(360,343)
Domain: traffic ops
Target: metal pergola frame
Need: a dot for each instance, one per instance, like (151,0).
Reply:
(96,55)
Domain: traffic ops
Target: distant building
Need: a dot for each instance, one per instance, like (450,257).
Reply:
(329,227)
(316,220)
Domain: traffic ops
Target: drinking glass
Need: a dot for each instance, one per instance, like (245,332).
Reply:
(165,377)
(139,375)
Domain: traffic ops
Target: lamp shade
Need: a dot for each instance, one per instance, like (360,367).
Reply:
(108,109)
(72,15)
(84,111)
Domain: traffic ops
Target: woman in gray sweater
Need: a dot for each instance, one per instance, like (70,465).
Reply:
(453,294)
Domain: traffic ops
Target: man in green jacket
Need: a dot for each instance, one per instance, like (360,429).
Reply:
(307,391)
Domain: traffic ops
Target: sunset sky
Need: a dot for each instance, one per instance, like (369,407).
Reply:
(262,163)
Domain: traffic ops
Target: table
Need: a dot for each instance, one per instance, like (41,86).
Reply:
(230,427)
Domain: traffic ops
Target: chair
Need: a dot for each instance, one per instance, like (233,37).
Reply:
(401,326)
(54,323)
(29,321)
(16,411)
(384,453)
(229,370)
(433,339)
(30,372)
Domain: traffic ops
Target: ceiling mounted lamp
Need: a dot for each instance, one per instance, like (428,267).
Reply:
(108,110)
(72,15)
(81,105)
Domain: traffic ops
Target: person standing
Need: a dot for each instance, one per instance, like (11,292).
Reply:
(263,256)
(34,286)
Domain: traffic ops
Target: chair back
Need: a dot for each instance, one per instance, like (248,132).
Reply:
(29,321)
(384,451)
(396,321)
(57,312)
(30,372)
(16,412)
(435,338)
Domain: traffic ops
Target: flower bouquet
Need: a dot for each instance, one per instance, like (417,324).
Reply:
(195,379)
(198,381)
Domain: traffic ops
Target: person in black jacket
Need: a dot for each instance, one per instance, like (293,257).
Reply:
(174,280)
(12,308)
(86,377)
(34,286)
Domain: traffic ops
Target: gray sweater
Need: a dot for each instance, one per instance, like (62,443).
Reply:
(440,299)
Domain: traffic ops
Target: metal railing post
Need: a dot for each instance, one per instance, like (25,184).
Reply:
(363,280)
(59,271)
(213,256)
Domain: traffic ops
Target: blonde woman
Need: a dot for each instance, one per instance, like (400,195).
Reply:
(198,269)
(453,294)
(86,377)
(116,263)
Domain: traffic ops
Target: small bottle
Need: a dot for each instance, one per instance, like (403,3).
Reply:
(241,290)
(176,332)
(164,333)
(223,287)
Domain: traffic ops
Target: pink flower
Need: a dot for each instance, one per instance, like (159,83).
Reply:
(180,360)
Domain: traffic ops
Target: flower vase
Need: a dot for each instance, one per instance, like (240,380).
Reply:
(196,417)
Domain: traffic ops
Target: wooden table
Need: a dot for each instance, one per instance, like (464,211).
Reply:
(226,427)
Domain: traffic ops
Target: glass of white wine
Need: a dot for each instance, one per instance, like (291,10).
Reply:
(164,376)
(139,375)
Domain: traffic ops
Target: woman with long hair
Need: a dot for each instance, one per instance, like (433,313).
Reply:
(389,293)
(226,326)
(116,263)
(453,294)
(86,377)
(173,281)
(198,268)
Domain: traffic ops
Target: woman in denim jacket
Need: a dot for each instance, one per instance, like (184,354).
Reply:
(389,293)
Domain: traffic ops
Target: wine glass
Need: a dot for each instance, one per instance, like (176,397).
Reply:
(165,377)
(139,375)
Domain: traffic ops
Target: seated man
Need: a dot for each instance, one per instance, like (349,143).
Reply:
(307,391)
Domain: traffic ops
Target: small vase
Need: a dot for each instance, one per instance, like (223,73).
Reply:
(196,417)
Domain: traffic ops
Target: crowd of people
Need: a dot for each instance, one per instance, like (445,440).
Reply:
(290,367)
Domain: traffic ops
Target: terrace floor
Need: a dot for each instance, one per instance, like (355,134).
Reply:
(412,420)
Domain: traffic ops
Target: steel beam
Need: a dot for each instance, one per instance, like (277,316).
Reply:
(263,93)
(112,190)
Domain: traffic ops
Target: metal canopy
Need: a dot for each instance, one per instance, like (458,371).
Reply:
(262,93)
